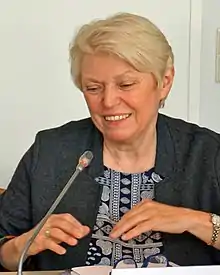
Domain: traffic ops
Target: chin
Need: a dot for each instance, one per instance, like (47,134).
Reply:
(118,137)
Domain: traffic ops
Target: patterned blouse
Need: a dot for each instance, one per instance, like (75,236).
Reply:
(121,192)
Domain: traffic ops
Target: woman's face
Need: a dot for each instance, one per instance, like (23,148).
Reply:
(123,102)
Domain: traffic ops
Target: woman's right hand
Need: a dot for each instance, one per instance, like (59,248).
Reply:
(59,228)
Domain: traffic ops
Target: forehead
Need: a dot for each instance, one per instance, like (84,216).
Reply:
(104,66)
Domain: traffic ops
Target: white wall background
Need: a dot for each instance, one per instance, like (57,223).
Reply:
(209,89)
(36,91)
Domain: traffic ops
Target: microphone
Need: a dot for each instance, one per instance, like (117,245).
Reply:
(84,161)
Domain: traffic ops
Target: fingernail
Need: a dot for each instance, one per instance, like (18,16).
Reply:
(73,241)
(79,234)
(86,229)
(82,230)
(112,235)
(124,237)
(63,251)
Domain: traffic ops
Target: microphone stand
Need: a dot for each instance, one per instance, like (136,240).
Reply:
(84,161)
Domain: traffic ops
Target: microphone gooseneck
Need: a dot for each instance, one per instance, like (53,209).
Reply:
(84,161)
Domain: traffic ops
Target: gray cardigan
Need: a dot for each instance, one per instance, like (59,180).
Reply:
(187,157)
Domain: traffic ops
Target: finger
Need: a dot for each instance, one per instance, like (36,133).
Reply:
(137,231)
(72,231)
(77,225)
(135,213)
(127,223)
(53,246)
(69,228)
(68,218)
(60,236)
(71,219)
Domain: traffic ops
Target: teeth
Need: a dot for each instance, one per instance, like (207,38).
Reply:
(115,118)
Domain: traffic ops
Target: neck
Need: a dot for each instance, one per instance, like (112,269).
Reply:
(132,157)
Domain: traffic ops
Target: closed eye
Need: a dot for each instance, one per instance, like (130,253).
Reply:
(126,85)
(92,89)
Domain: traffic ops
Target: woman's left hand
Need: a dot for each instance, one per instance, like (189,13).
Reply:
(150,215)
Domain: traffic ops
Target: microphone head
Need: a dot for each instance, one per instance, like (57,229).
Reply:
(85,159)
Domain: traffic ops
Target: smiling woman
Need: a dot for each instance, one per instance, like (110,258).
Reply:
(123,102)
(124,86)
(153,186)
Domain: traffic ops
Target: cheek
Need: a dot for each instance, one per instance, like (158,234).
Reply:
(91,103)
(93,106)
(151,97)
(146,105)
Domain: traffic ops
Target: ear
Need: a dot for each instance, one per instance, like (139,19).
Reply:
(167,82)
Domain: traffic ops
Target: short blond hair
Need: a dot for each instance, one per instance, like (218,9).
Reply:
(133,38)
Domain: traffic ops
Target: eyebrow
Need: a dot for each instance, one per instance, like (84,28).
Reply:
(124,73)
(115,77)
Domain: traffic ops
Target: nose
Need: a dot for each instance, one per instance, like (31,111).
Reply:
(110,97)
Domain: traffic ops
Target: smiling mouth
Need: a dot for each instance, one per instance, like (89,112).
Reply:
(117,117)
